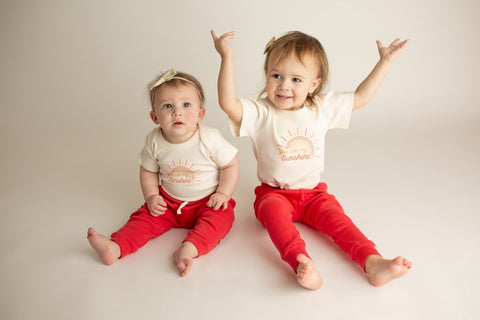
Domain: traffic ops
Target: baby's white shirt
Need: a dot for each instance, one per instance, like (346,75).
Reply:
(187,171)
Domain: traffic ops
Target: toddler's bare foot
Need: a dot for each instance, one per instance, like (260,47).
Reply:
(107,250)
(381,271)
(307,276)
(184,257)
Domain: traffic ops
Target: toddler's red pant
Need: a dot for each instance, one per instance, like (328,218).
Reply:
(207,226)
(277,209)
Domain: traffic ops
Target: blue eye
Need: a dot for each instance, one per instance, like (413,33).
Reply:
(186,105)
(167,106)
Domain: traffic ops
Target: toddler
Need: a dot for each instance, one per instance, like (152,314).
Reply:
(188,173)
(287,129)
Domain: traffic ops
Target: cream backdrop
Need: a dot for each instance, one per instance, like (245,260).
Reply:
(74,115)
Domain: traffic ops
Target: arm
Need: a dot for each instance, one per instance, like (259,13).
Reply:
(149,183)
(227,95)
(226,186)
(366,90)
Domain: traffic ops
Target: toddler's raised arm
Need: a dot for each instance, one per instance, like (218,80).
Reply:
(366,90)
(227,95)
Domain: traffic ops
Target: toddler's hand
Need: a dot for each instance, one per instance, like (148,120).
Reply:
(218,200)
(222,45)
(391,52)
(156,205)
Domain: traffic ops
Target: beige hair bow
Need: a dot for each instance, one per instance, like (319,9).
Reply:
(167,76)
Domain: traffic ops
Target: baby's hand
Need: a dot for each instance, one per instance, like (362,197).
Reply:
(223,46)
(156,205)
(218,200)
(391,52)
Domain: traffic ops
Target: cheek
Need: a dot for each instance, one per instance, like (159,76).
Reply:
(270,86)
(192,115)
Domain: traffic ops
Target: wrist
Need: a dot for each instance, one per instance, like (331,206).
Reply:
(386,61)
(226,56)
(150,196)
(224,193)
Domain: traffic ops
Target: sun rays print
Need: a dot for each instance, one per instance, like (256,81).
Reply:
(299,144)
(182,172)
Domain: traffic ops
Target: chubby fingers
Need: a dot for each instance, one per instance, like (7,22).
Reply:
(157,210)
(225,36)
(395,43)
(214,36)
(218,201)
(156,205)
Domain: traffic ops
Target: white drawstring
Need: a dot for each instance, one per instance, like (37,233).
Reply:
(179,210)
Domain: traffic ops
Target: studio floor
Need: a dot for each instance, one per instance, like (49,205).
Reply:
(413,197)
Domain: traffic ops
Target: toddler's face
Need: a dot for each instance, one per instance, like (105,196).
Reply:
(177,110)
(290,82)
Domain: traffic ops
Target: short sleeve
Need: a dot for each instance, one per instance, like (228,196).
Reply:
(337,108)
(254,113)
(220,150)
(146,158)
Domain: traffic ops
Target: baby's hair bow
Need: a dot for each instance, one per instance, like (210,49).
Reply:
(167,76)
(269,44)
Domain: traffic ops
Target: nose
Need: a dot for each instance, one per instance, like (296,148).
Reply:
(177,111)
(283,85)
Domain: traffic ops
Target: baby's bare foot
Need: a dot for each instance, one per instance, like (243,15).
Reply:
(381,271)
(184,257)
(107,250)
(307,276)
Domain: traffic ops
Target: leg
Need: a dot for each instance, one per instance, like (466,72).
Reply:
(275,213)
(209,228)
(381,271)
(326,214)
(141,228)
(106,249)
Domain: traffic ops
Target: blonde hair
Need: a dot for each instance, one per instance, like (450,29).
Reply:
(301,46)
(180,79)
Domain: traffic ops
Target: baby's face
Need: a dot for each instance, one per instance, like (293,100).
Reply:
(178,110)
(290,82)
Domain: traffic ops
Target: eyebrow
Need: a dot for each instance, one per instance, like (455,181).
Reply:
(293,76)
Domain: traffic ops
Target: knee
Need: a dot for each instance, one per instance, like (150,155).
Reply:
(272,207)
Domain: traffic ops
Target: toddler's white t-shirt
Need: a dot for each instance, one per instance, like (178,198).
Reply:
(289,145)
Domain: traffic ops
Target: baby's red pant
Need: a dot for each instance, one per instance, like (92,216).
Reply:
(277,209)
(207,226)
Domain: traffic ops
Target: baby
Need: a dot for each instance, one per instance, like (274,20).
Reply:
(188,173)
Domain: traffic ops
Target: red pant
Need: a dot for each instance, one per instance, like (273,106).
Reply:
(208,226)
(277,209)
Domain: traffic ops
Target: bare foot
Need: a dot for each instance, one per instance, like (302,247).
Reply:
(381,271)
(107,250)
(184,257)
(307,276)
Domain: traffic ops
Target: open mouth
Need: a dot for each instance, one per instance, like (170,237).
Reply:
(178,123)
(282,97)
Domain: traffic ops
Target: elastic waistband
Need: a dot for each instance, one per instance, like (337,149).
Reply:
(179,202)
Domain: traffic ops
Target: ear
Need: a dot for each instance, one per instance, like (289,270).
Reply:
(201,113)
(315,84)
(154,117)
